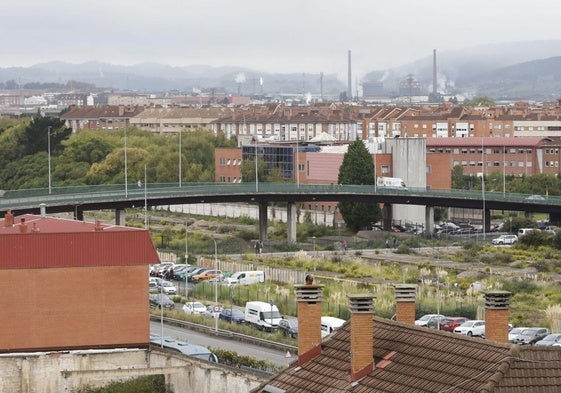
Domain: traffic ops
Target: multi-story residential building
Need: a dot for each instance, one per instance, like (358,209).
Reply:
(99,117)
(288,124)
(175,119)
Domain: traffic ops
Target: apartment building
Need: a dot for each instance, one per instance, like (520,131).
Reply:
(511,156)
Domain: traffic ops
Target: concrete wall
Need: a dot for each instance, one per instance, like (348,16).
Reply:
(58,372)
(409,161)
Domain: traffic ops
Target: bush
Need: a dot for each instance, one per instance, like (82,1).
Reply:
(147,384)
(535,239)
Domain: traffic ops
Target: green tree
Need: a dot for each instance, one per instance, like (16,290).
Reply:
(458,179)
(36,137)
(358,168)
(482,101)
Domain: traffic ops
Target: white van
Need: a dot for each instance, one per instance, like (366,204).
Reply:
(330,324)
(262,315)
(391,182)
(246,277)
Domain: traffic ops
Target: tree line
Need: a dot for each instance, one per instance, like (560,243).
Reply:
(98,156)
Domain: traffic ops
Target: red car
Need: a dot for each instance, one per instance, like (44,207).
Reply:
(450,323)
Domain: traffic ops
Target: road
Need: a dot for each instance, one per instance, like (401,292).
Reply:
(256,351)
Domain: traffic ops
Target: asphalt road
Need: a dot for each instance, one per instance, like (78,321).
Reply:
(256,351)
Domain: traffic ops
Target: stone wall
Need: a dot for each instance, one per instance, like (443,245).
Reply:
(58,372)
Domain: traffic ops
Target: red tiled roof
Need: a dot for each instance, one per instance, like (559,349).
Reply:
(53,242)
(411,359)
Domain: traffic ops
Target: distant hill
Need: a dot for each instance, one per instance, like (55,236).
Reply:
(154,77)
(517,70)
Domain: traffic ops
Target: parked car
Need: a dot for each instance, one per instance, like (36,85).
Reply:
(153,282)
(550,340)
(196,271)
(160,300)
(207,275)
(213,311)
(191,308)
(531,336)
(514,332)
(450,323)
(232,315)
(289,327)
(505,239)
(166,287)
(475,328)
(179,272)
(433,319)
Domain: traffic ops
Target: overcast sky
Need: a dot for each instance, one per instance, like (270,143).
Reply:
(271,36)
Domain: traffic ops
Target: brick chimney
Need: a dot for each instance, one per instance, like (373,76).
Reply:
(496,315)
(405,303)
(309,297)
(9,218)
(362,342)
(23,226)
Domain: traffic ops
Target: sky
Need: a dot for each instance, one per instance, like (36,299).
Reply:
(308,36)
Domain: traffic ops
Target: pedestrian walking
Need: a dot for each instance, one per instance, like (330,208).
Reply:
(345,245)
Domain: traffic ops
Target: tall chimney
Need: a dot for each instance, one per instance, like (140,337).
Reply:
(362,342)
(496,315)
(309,297)
(349,80)
(405,303)
(434,81)
(43,209)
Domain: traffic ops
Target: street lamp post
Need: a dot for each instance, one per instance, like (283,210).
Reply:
(256,166)
(271,303)
(510,225)
(161,313)
(126,171)
(179,166)
(215,282)
(49,151)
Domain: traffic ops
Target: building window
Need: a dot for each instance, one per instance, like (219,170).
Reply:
(464,151)
(385,169)
(456,151)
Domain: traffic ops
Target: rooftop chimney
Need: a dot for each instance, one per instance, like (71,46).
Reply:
(309,297)
(496,315)
(9,219)
(362,342)
(23,226)
(405,303)
(43,209)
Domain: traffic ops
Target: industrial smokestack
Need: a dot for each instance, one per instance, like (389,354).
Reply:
(321,85)
(434,72)
(349,80)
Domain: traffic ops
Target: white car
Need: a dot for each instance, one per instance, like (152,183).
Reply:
(504,239)
(194,308)
(167,287)
(429,320)
(475,328)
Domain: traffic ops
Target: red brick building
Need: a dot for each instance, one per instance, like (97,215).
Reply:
(71,284)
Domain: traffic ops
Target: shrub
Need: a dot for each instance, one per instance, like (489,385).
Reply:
(147,384)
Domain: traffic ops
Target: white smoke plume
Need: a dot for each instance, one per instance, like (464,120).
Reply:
(240,78)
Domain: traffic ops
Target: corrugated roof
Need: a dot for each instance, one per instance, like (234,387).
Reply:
(415,359)
(52,242)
